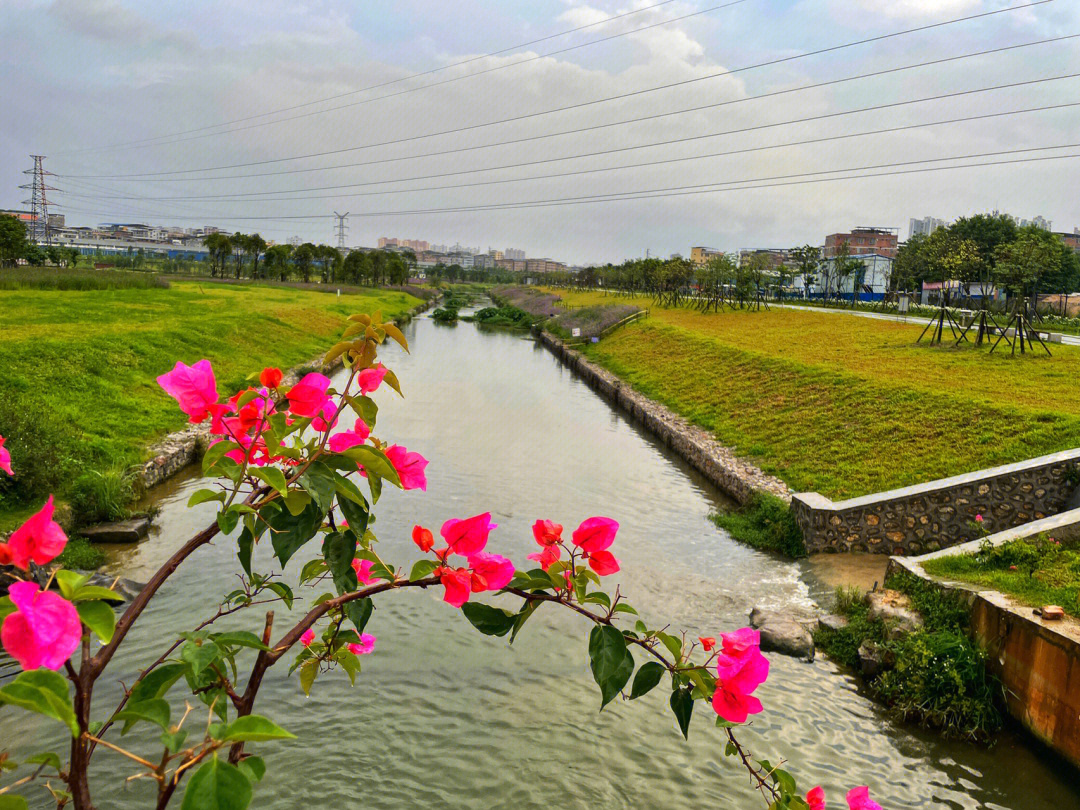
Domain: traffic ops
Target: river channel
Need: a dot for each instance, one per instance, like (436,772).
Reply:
(442,717)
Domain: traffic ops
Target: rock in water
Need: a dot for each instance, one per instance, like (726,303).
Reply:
(874,659)
(894,609)
(831,621)
(122,531)
(782,633)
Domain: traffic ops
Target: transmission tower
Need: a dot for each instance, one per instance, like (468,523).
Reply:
(39,202)
(341,228)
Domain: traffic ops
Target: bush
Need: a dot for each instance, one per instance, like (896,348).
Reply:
(81,554)
(766,523)
(97,497)
(74,278)
(503,316)
(445,315)
(41,446)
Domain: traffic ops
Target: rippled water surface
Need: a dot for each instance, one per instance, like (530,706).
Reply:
(442,717)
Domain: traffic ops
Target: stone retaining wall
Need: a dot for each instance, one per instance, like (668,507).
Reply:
(178,450)
(937,514)
(1037,661)
(736,477)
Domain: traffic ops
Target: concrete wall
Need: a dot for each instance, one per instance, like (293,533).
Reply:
(732,475)
(937,514)
(1037,661)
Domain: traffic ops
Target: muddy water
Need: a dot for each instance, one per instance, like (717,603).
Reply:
(442,717)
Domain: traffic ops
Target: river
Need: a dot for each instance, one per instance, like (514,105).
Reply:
(444,717)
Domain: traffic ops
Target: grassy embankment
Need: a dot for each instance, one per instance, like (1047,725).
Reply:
(843,405)
(1036,572)
(77,372)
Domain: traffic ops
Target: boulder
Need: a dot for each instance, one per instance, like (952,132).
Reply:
(894,609)
(127,588)
(874,659)
(782,633)
(831,621)
(122,531)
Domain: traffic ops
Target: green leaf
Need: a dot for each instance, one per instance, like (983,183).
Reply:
(155,710)
(307,675)
(527,610)
(10,802)
(69,581)
(374,461)
(44,692)
(200,655)
(253,767)
(359,612)
(85,593)
(99,617)
(271,476)
(157,682)
(216,452)
(245,544)
(622,607)
(7,607)
(339,549)
(217,785)
(682,704)
(365,408)
(282,590)
(312,569)
(357,516)
(421,569)
(598,598)
(673,644)
(289,532)
(204,495)
(349,662)
(227,521)
(320,484)
(490,621)
(255,728)
(647,677)
(296,501)
(173,740)
(239,638)
(46,758)
(611,663)
(348,490)
(785,781)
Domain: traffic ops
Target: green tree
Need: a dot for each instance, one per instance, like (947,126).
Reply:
(277,261)
(13,242)
(254,247)
(1019,264)
(987,231)
(218,248)
(304,257)
(73,257)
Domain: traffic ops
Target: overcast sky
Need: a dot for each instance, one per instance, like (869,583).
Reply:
(137,78)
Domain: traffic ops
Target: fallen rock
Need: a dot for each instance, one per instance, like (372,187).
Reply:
(893,608)
(127,588)
(874,659)
(782,633)
(831,621)
(122,531)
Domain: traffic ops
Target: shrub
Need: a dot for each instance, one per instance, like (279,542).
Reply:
(766,523)
(100,496)
(503,316)
(41,446)
(81,554)
(445,315)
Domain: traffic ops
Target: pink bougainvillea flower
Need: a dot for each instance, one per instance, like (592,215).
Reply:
(547,532)
(327,418)
(740,669)
(490,572)
(366,645)
(358,434)
(193,387)
(38,540)
(978,518)
(371,378)
(457,582)
(271,377)
(469,536)
(602,562)
(547,556)
(363,571)
(308,637)
(423,539)
(858,798)
(308,396)
(5,458)
(43,631)
(409,466)
(595,534)
(816,798)
(707,643)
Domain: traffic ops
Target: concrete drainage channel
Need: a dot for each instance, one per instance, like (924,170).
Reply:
(1037,661)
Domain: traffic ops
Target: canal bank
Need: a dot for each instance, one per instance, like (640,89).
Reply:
(506,427)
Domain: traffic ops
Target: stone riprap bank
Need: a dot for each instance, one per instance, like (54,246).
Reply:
(937,514)
(733,475)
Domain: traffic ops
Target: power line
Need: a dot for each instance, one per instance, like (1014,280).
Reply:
(592,127)
(450,80)
(583,104)
(381,84)
(669,191)
(261,195)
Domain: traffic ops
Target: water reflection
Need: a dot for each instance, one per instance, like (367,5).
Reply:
(443,717)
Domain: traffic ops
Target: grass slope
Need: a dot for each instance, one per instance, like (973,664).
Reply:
(77,372)
(845,405)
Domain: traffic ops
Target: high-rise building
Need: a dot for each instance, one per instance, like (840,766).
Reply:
(924,226)
(515,254)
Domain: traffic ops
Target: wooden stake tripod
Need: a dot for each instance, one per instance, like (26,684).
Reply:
(936,327)
(984,331)
(1021,322)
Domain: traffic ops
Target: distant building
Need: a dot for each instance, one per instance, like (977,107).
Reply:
(863,240)
(872,280)
(485,261)
(543,266)
(514,253)
(496,254)
(701,255)
(387,241)
(924,226)
(1071,240)
(514,265)
(776,257)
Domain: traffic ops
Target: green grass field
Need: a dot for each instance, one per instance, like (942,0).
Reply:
(78,369)
(845,405)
